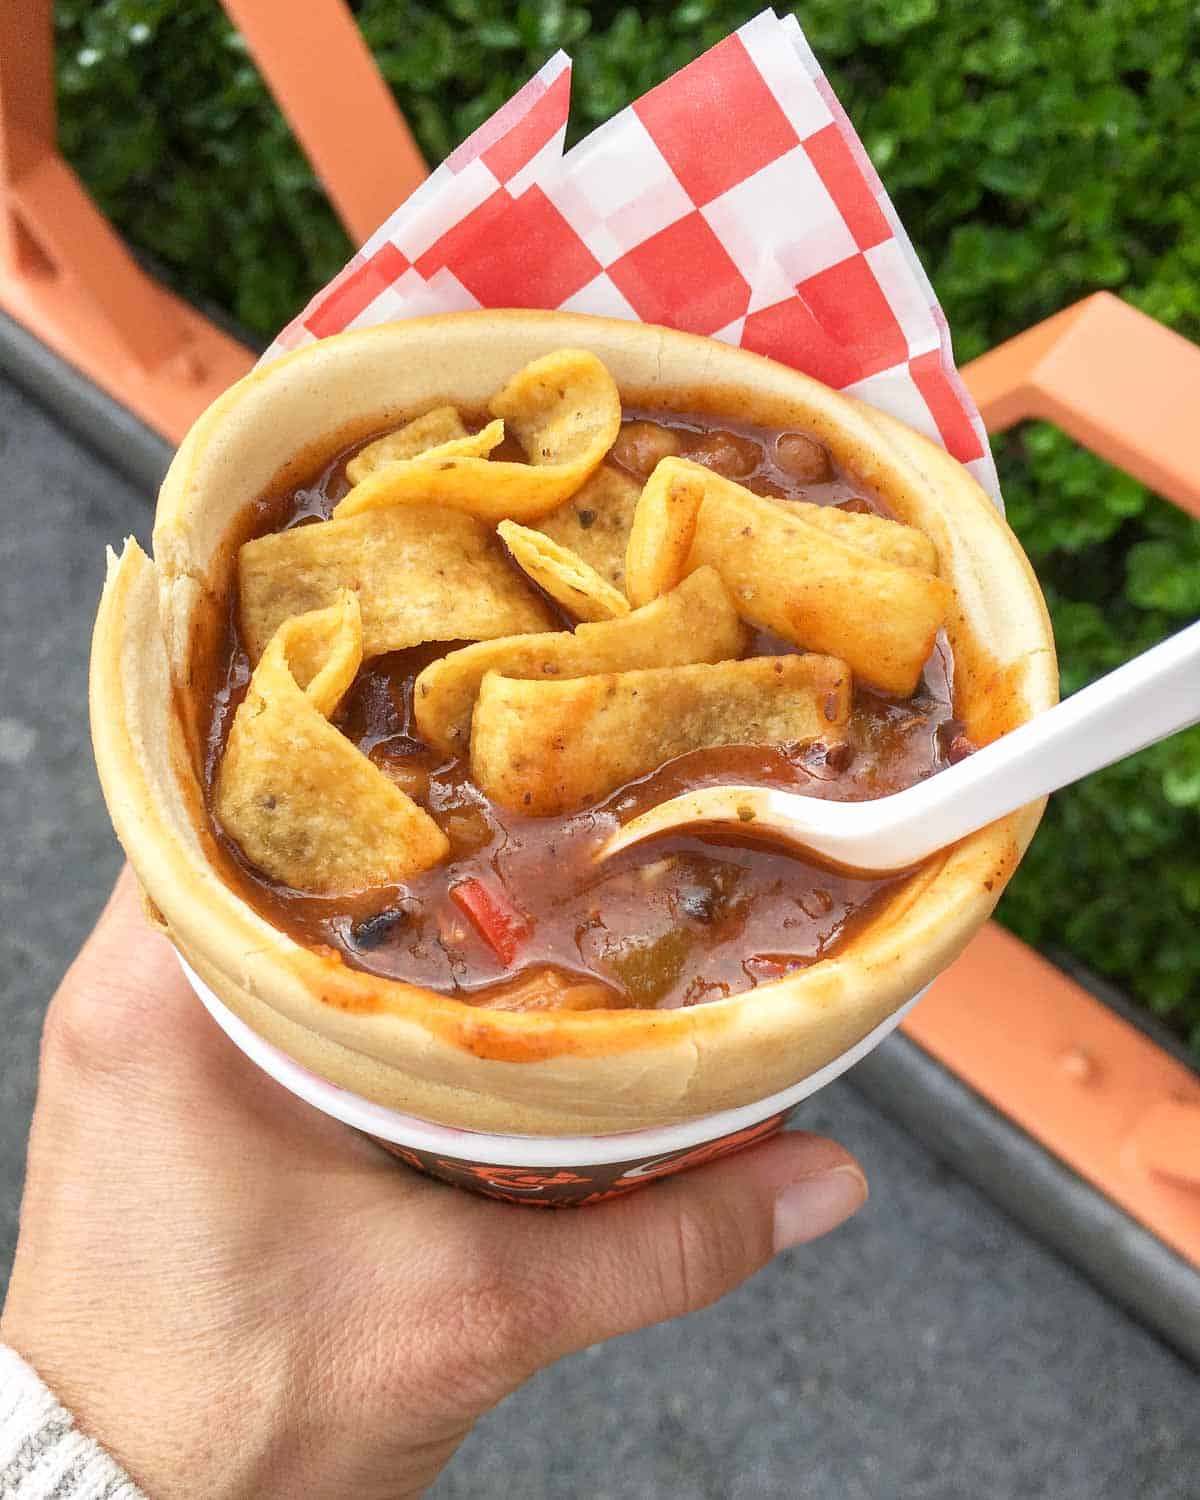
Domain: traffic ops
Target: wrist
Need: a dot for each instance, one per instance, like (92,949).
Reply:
(42,1451)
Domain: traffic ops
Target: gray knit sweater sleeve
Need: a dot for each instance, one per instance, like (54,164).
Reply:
(43,1455)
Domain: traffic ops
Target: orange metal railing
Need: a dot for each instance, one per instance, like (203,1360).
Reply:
(334,98)
(66,275)
(1117,381)
(1088,1085)
(1091,1087)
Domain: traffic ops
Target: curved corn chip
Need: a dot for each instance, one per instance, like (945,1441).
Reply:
(545,748)
(595,522)
(664,524)
(323,652)
(565,577)
(695,622)
(420,573)
(441,425)
(303,803)
(565,411)
(804,584)
(893,541)
(438,434)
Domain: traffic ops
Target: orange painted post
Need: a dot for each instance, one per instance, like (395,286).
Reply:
(26,119)
(67,276)
(1166,1139)
(1103,1097)
(326,82)
(47,212)
(1117,381)
(79,250)
(1089,1086)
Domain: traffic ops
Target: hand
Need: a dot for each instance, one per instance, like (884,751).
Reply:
(239,1297)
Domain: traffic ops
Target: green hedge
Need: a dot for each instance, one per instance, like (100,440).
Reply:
(1036,149)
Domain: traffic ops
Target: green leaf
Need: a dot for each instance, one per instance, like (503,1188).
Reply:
(1161,576)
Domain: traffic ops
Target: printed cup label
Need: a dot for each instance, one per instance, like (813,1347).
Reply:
(574,1186)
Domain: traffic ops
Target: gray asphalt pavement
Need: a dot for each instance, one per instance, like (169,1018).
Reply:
(928,1351)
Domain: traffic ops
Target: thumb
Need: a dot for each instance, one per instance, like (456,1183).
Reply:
(678,1246)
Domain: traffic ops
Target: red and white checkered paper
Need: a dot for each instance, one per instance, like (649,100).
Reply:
(734,200)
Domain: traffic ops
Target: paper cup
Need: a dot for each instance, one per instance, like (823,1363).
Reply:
(565,1171)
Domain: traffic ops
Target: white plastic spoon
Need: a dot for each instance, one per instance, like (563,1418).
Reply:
(1155,695)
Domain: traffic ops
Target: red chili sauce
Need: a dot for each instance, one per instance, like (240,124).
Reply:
(675,921)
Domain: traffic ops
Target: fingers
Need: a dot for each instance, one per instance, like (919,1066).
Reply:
(125,1033)
(687,1241)
(520,1289)
(123,952)
(129,1049)
(124,999)
(552,1283)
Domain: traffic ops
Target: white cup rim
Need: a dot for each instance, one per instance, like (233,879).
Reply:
(491,1149)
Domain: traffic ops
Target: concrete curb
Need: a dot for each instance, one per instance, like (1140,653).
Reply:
(120,438)
(1046,1197)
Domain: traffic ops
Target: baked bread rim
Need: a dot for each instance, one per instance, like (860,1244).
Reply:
(427,1054)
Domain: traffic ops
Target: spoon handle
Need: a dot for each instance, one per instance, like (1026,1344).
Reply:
(1149,698)
(1152,696)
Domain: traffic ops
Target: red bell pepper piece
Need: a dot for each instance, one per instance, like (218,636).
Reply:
(496,919)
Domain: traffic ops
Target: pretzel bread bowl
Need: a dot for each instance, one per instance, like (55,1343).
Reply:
(549,1070)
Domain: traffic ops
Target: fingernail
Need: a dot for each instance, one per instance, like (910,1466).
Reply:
(807,1209)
